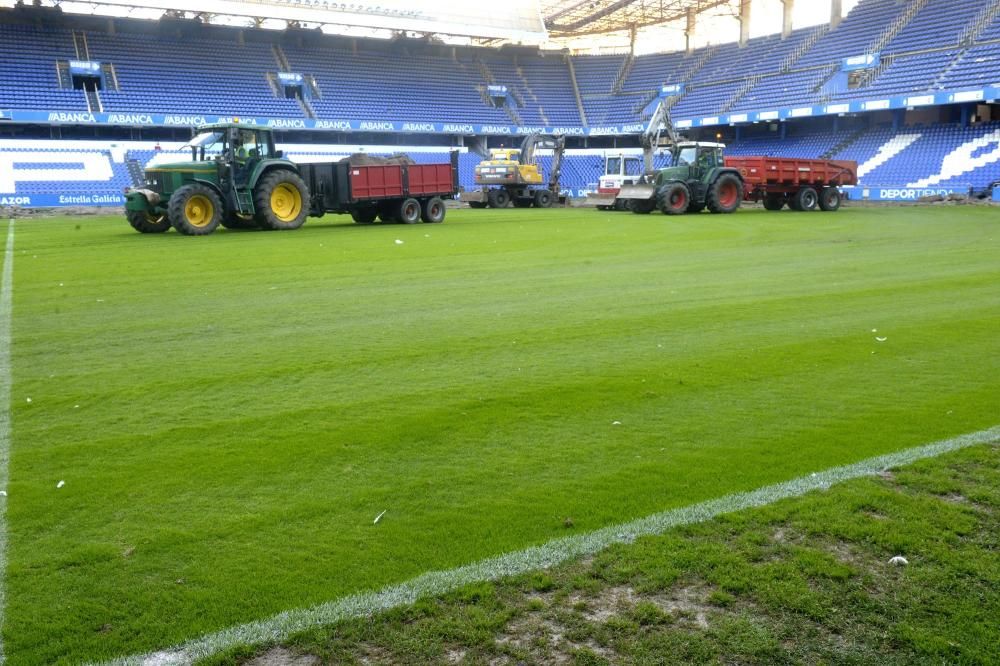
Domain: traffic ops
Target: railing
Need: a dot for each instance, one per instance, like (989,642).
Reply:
(622,74)
(894,28)
(576,89)
(983,19)
(801,49)
(744,88)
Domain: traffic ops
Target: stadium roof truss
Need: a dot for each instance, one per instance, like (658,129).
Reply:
(565,18)
(520,20)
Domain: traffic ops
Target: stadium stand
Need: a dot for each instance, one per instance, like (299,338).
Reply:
(925,46)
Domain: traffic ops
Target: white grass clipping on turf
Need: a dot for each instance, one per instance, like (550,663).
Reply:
(6,309)
(285,624)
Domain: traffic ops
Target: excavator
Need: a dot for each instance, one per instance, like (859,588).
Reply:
(621,170)
(511,175)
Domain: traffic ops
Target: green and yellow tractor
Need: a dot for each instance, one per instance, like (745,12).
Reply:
(235,178)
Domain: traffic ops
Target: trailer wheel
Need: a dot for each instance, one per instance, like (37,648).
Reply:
(364,215)
(433,211)
(673,199)
(774,201)
(643,206)
(805,199)
(725,194)
(195,210)
(409,211)
(147,223)
(281,199)
(543,199)
(829,199)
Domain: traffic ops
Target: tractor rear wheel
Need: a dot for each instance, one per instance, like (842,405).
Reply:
(829,199)
(147,223)
(364,215)
(543,199)
(282,200)
(195,210)
(774,201)
(725,194)
(673,199)
(805,199)
(409,211)
(433,211)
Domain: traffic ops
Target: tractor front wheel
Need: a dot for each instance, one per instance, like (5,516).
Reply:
(195,210)
(673,199)
(725,194)
(147,223)
(281,199)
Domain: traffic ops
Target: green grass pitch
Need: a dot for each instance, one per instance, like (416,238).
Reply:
(231,413)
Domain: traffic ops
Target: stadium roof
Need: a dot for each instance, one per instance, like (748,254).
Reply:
(582,17)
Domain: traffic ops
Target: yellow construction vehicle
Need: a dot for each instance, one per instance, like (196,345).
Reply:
(511,175)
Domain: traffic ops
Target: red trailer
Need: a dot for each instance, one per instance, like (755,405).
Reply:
(391,191)
(803,184)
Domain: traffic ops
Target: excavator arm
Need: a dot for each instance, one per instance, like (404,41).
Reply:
(659,125)
(558,146)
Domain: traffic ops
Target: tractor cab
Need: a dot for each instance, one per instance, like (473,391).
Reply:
(233,146)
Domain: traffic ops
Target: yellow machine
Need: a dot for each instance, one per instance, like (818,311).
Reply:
(512,175)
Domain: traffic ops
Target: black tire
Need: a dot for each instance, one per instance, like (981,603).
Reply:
(499,198)
(620,205)
(282,200)
(643,206)
(364,215)
(147,223)
(806,199)
(522,203)
(433,210)
(543,199)
(725,195)
(409,211)
(774,201)
(829,199)
(673,199)
(793,203)
(478,204)
(236,221)
(195,210)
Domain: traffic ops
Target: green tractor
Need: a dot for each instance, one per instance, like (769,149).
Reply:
(235,178)
(697,180)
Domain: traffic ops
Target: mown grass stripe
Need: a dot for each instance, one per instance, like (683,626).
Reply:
(6,310)
(283,625)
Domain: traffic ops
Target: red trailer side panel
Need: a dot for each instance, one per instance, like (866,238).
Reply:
(786,172)
(430,179)
(376,182)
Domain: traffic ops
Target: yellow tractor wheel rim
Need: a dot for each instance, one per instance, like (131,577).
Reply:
(286,202)
(199,211)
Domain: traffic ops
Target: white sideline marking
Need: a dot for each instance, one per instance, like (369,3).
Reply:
(283,625)
(6,309)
